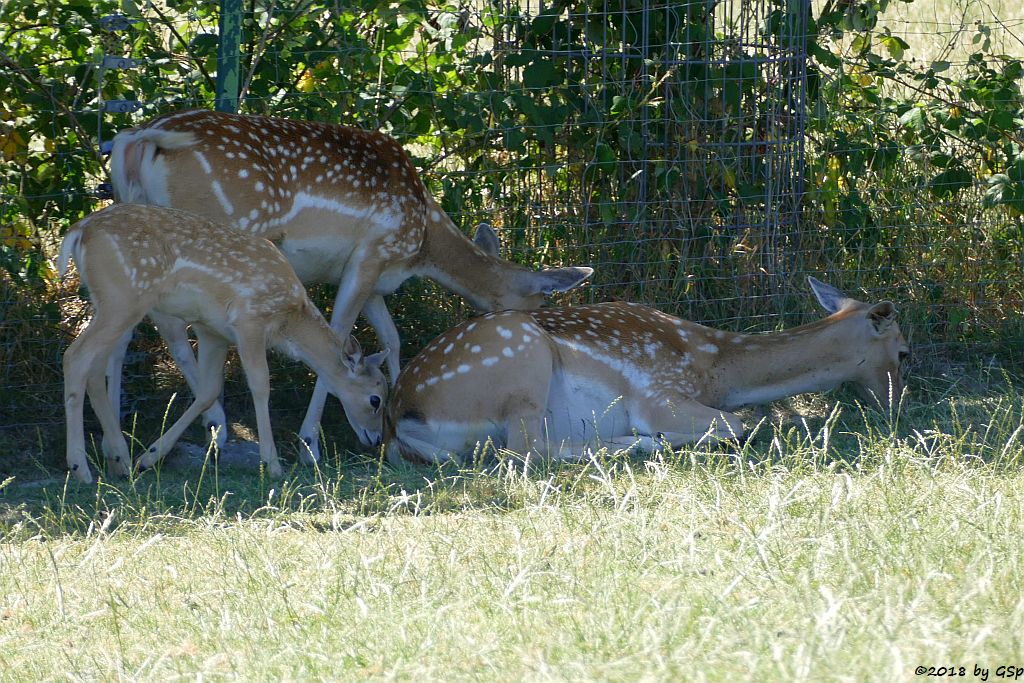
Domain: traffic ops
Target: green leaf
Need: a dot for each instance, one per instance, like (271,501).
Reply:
(1000,191)
(950,181)
(862,43)
(913,118)
(894,45)
(541,74)
(621,105)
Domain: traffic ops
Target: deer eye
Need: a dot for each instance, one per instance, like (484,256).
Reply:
(375,402)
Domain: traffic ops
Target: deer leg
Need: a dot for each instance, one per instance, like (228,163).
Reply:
(354,291)
(677,421)
(253,356)
(375,310)
(175,334)
(84,364)
(115,448)
(213,351)
(115,368)
(527,438)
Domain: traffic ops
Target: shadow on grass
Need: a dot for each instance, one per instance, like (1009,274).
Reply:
(803,435)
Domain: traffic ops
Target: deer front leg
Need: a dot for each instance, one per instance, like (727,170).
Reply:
(376,312)
(354,291)
(253,356)
(213,351)
(175,333)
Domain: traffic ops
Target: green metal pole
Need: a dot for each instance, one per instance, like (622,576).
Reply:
(230,27)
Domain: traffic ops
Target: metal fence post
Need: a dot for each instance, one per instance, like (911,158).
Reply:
(230,29)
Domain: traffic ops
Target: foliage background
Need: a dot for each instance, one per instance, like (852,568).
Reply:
(703,157)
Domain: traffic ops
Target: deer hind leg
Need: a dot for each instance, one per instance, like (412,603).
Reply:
(680,420)
(527,438)
(115,448)
(354,290)
(213,351)
(115,368)
(175,333)
(253,356)
(84,365)
(674,421)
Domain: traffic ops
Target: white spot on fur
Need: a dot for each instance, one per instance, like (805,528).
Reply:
(225,203)
(203,162)
(489,361)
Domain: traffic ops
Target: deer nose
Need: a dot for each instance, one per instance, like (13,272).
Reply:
(371,438)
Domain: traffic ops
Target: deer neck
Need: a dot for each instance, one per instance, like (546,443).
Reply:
(308,338)
(453,261)
(756,369)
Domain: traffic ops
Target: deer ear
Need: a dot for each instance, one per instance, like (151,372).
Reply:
(487,240)
(375,360)
(830,298)
(352,352)
(553,280)
(882,316)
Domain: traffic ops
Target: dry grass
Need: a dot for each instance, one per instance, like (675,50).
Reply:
(946,29)
(844,547)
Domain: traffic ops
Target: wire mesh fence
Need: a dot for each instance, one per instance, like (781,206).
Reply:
(678,148)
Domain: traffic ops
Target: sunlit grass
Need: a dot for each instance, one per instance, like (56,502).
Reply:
(845,545)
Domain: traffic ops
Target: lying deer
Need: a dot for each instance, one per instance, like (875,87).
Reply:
(232,288)
(345,206)
(559,381)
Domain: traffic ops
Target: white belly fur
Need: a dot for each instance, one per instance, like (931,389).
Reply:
(317,259)
(196,306)
(579,410)
(582,409)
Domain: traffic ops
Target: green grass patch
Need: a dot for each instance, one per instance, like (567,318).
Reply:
(844,545)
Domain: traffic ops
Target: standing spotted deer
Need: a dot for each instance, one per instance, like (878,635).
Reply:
(136,259)
(559,381)
(344,205)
